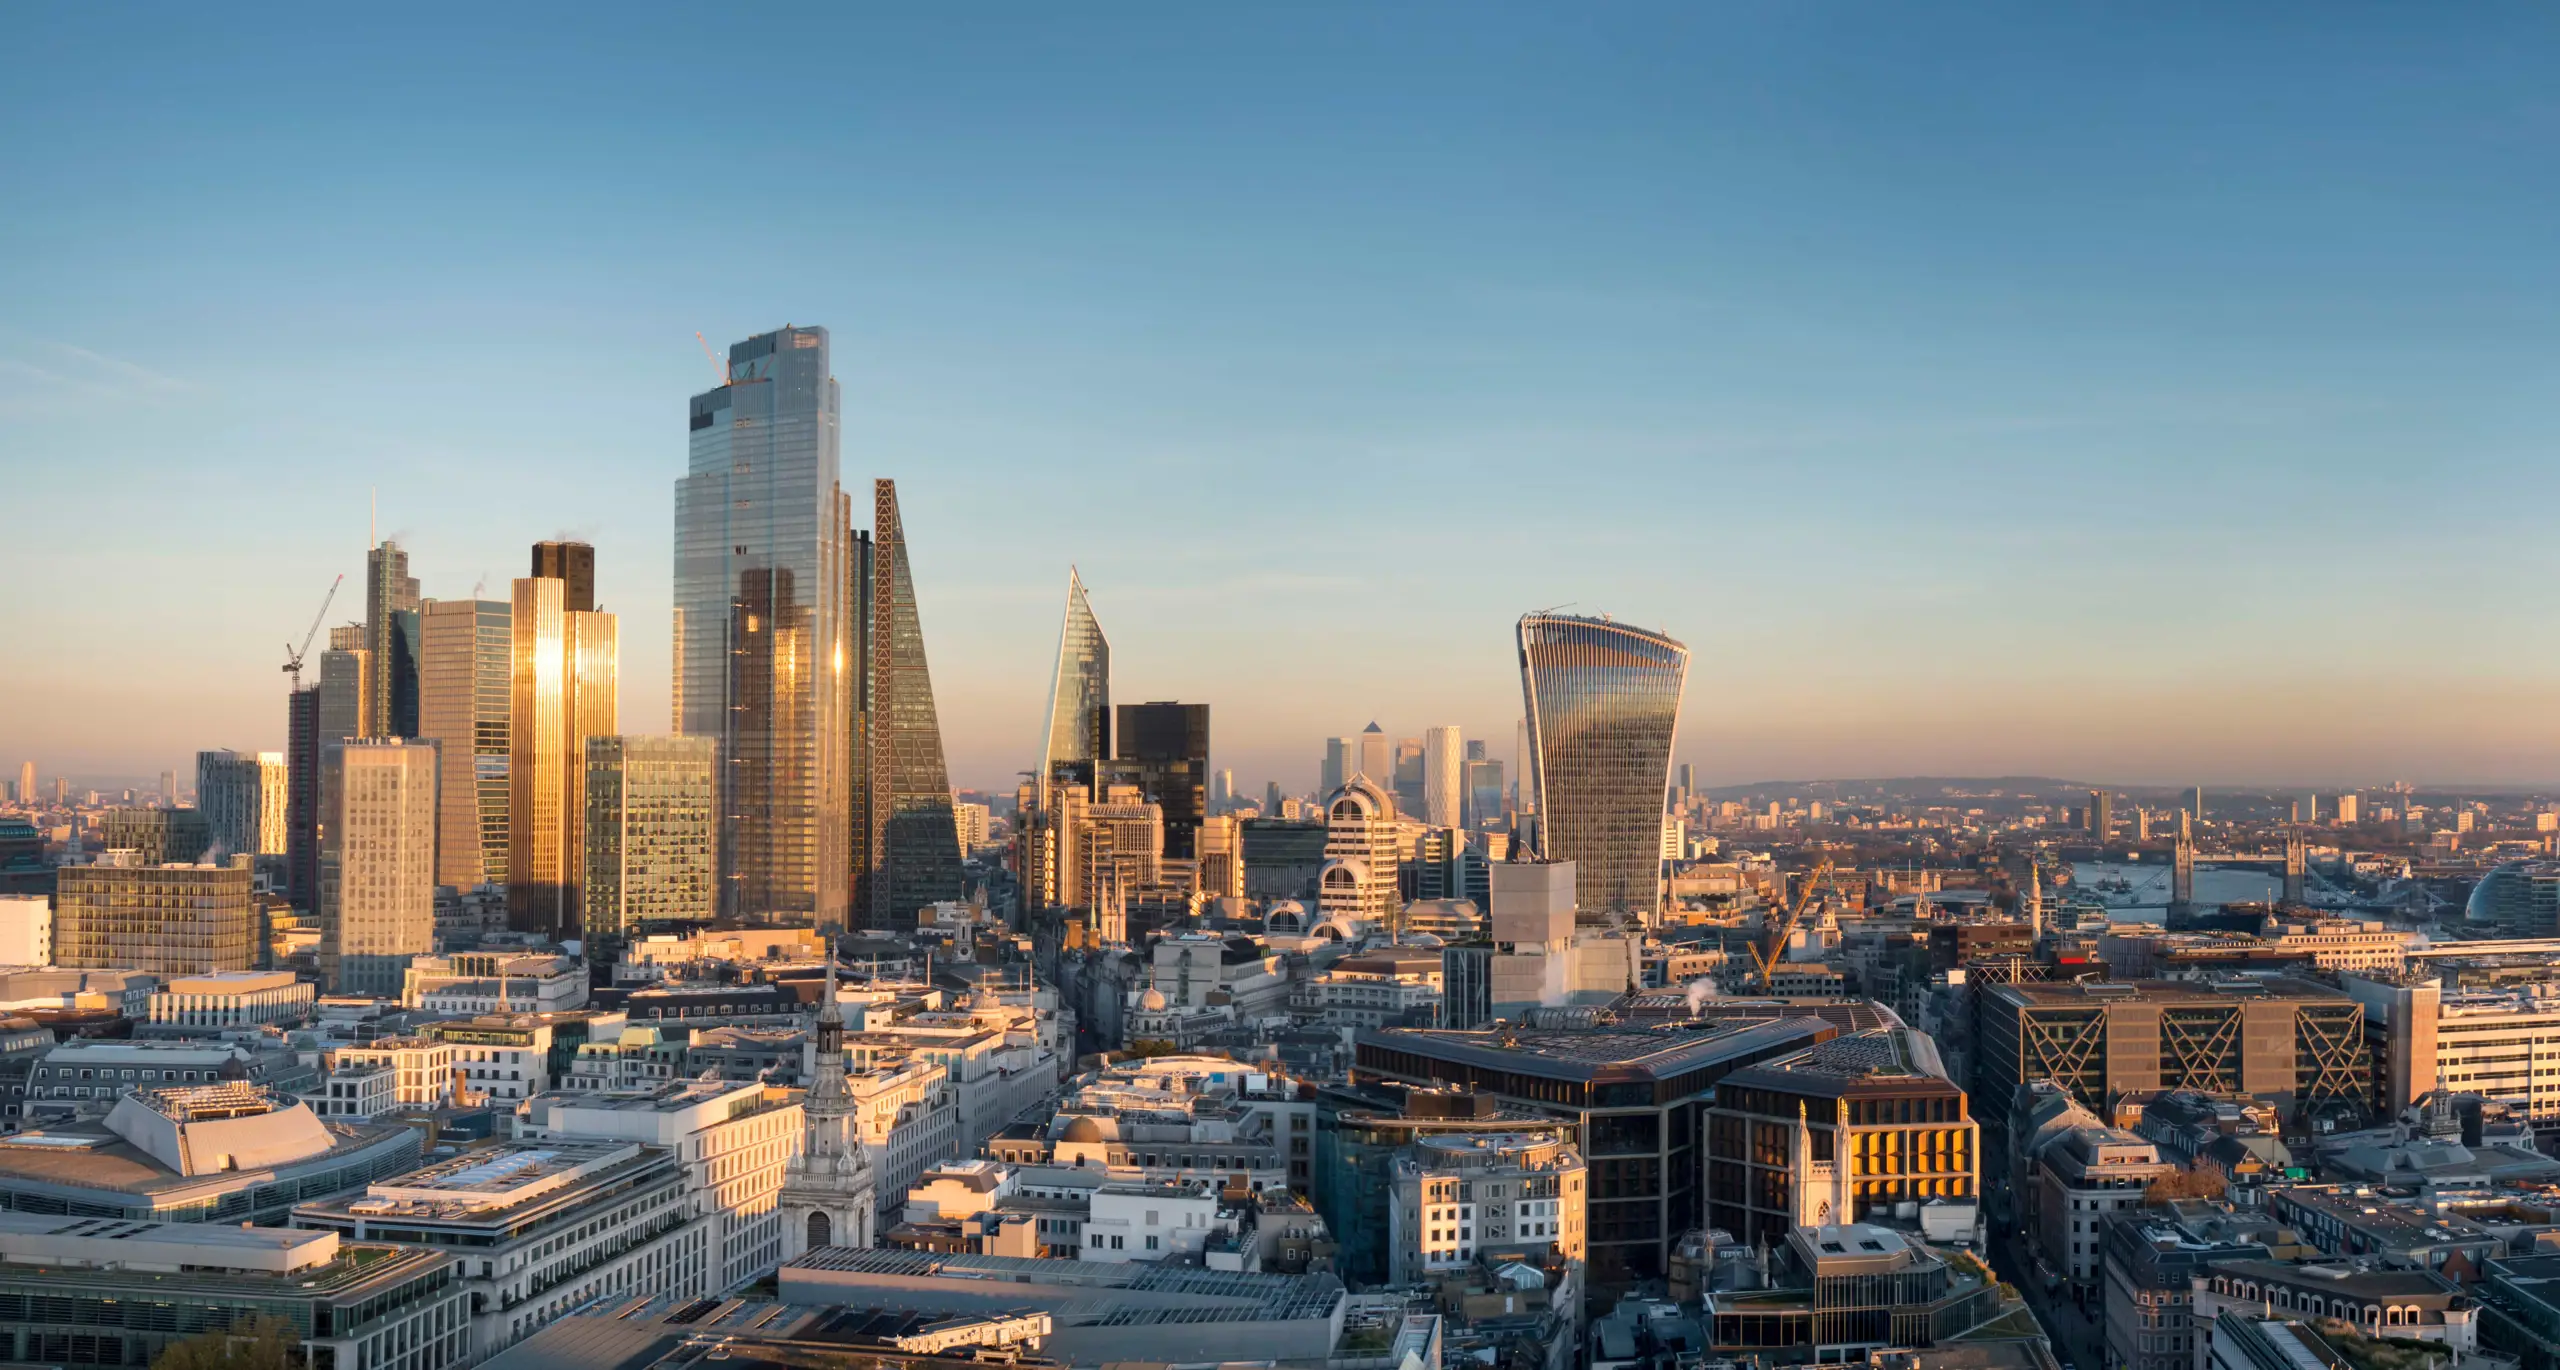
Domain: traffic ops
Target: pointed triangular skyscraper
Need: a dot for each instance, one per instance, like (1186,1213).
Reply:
(1080,696)
(915,838)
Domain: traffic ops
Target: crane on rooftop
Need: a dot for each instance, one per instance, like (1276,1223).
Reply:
(1774,950)
(293,655)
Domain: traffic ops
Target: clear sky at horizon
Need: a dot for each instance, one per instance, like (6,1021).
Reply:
(2152,395)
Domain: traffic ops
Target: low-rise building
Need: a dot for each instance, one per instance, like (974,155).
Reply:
(668,1330)
(1103,1311)
(734,1141)
(233,999)
(218,1153)
(477,982)
(774,1055)
(2412,1305)
(2082,1176)
(1458,1198)
(1842,1290)
(2152,1311)
(2359,1220)
(541,1228)
(165,919)
(98,1291)
(641,1058)
(86,1075)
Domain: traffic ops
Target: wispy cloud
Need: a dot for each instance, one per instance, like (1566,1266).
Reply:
(45,376)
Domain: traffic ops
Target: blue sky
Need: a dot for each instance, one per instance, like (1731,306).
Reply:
(2146,396)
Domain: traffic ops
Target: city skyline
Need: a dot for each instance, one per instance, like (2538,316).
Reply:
(1955,441)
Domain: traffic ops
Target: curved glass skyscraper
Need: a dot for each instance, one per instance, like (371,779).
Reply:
(1080,698)
(1604,704)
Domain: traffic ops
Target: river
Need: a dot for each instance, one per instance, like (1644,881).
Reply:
(2149,902)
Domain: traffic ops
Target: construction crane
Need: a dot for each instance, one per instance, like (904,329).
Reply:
(719,373)
(293,655)
(1775,949)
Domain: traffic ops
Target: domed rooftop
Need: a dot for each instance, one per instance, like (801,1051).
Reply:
(1081,1130)
(1153,1001)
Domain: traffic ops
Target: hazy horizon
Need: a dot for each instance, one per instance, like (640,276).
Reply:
(2161,397)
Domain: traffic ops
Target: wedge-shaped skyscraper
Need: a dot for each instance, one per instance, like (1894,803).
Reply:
(1080,697)
(915,839)
(1603,702)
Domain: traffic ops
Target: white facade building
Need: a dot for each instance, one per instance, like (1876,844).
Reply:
(26,930)
(234,998)
(1141,1220)
(735,1141)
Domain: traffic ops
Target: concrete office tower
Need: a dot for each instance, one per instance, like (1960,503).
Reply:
(1341,762)
(169,787)
(1222,789)
(1163,750)
(573,564)
(466,698)
(1443,778)
(563,669)
(1377,757)
(2195,804)
(181,919)
(302,798)
(157,836)
(26,782)
(242,798)
(2350,810)
(2307,809)
(346,685)
(1080,694)
(1531,920)
(1604,706)
(1357,882)
(377,863)
(2101,814)
(391,639)
(767,659)
(915,842)
(652,833)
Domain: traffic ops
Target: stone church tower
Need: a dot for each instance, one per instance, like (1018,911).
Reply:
(827,1197)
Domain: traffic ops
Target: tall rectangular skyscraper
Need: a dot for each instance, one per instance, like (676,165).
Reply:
(1604,708)
(563,670)
(764,657)
(1164,751)
(302,798)
(391,637)
(465,699)
(651,839)
(1341,762)
(377,863)
(242,795)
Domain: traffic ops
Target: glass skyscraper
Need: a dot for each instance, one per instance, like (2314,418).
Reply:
(764,657)
(1080,697)
(1604,703)
(465,699)
(391,636)
(564,676)
(651,842)
(914,836)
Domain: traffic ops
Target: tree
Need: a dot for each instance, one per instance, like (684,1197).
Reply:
(2199,1181)
(258,1343)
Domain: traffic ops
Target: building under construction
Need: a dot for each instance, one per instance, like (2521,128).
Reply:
(2298,1044)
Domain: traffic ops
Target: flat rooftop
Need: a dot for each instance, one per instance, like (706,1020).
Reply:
(1593,1055)
(2092,993)
(493,1181)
